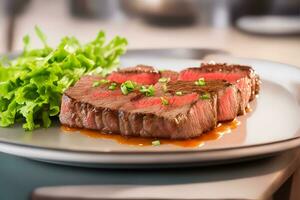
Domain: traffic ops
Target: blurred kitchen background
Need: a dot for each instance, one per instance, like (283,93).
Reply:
(266,29)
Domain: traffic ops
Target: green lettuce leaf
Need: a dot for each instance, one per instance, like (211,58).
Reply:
(31,85)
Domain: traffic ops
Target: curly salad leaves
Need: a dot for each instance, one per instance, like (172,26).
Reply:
(31,86)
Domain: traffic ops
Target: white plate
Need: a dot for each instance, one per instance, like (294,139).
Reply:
(270,25)
(273,126)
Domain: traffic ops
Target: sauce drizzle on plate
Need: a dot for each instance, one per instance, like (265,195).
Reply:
(218,132)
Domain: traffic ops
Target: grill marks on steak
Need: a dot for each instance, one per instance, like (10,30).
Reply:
(186,115)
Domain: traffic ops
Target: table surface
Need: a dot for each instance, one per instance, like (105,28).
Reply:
(257,179)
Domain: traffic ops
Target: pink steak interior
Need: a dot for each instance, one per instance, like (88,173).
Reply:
(141,78)
(191,75)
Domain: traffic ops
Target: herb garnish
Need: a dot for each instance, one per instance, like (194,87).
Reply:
(101,82)
(164,101)
(164,80)
(200,82)
(147,91)
(96,84)
(112,86)
(205,96)
(127,87)
(104,81)
(156,143)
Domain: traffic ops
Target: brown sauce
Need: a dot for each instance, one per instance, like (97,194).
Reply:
(218,132)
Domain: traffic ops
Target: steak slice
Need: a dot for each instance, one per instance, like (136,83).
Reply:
(242,69)
(243,77)
(168,121)
(183,117)
(85,106)
(228,96)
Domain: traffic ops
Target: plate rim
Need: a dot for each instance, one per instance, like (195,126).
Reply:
(152,152)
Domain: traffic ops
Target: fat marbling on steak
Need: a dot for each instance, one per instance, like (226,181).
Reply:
(190,110)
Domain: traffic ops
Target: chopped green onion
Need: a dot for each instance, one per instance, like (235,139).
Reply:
(164,80)
(205,96)
(101,82)
(179,93)
(127,87)
(112,86)
(147,91)
(200,82)
(164,101)
(156,143)
(96,84)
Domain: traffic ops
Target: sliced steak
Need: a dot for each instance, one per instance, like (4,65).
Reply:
(97,107)
(179,108)
(183,117)
(85,106)
(186,115)
(236,69)
(242,76)
(228,96)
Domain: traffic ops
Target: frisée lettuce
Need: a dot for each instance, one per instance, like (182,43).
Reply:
(31,85)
